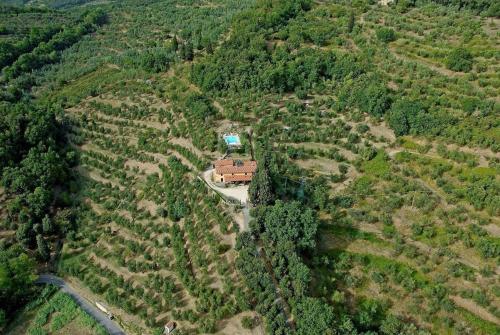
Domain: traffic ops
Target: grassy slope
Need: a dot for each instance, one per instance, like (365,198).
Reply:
(54,313)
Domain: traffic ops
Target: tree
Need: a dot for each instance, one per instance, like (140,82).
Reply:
(46,225)
(43,249)
(370,313)
(39,202)
(289,222)
(375,99)
(187,52)
(410,116)
(16,279)
(315,317)
(3,318)
(494,10)
(350,22)
(460,60)
(210,48)
(200,106)
(386,35)
(96,17)
(393,325)
(175,43)
(301,275)
(248,322)
(260,191)
(24,234)
(161,212)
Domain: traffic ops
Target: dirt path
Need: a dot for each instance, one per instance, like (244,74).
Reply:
(431,66)
(475,309)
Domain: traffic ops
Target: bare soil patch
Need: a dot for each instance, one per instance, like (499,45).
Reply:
(320,165)
(183,142)
(233,326)
(493,229)
(148,168)
(382,130)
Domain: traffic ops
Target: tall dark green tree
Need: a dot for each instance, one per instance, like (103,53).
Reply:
(47,224)
(24,234)
(175,43)
(315,317)
(460,60)
(16,279)
(289,222)
(385,34)
(261,190)
(42,248)
(350,22)
(187,52)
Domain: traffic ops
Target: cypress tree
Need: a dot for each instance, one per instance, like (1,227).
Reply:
(46,225)
(350,23)
(260,190)
(43,249)
(175,43)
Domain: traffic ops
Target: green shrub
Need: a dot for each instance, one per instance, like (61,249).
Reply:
(247,322)
(460,60)
(386,35)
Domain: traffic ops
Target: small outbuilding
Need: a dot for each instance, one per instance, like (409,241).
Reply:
(169,327)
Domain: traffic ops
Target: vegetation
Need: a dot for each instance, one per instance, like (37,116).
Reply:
(55,312)
(17,276)
(460,60)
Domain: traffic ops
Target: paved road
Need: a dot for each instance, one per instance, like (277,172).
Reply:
(109,325)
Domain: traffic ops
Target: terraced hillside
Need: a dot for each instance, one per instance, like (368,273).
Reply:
(153,240)
(409,224)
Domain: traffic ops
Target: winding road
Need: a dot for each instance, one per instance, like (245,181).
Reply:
(111,326)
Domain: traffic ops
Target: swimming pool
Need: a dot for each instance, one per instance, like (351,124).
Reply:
(232,139)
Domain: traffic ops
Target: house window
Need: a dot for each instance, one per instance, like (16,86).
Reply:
(221,179)
(246,173)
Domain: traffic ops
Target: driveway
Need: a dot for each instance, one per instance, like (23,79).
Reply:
(111,326)
(239,193)
(246,218)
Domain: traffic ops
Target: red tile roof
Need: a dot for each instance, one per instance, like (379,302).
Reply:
(250,163)
(237,178)
(224,168)
(235,169)
(224,162)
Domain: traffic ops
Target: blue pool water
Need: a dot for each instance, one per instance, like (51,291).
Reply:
(232,139)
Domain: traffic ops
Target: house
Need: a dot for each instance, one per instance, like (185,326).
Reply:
(169,327)
(234,171)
